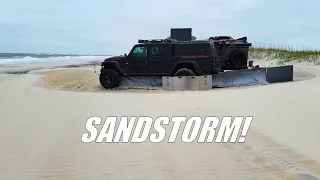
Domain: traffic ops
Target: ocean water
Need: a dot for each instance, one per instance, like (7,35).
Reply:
(18,58)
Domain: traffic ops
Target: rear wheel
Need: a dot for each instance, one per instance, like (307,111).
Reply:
(109,78)
(184,72)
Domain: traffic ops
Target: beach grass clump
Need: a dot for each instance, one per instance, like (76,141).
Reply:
(285,55)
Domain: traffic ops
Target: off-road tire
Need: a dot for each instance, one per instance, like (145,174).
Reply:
(237,60)
(109,78)
(184,72)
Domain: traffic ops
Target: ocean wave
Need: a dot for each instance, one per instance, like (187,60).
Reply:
(18,59)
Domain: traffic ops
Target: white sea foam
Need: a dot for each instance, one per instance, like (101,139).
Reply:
(28,59)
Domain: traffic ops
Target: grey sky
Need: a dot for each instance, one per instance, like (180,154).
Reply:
(112,27)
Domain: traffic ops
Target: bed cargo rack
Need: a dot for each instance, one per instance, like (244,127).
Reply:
(230,42)
(220,38)
(227,38)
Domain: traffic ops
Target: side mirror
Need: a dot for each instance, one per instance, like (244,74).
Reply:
(125,54)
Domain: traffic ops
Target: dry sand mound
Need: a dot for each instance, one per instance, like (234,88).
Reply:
(71,80)
(80,80)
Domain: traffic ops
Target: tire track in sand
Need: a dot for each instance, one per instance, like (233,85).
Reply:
(287,159)
(214,161)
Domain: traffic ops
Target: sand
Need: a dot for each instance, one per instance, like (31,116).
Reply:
(43,115)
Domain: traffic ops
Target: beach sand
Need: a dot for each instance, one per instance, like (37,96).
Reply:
(43,115)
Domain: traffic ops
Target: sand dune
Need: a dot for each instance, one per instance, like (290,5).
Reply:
(41,125)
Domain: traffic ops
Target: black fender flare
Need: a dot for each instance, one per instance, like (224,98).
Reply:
(114,64)
(193,63)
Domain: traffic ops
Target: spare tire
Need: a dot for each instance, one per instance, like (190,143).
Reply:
(184,72)
(109,78)
(237,60)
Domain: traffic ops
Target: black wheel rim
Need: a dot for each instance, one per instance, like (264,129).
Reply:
(108,79)
(184,74)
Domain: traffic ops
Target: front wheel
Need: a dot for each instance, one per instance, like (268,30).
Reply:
(109,78)
(184,72)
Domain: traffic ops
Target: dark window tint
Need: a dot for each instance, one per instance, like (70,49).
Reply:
(160,50)
(192,49)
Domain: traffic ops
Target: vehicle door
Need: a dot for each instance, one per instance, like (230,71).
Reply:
(136,61)
(160,61)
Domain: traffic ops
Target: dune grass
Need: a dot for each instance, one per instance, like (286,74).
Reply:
(285,55)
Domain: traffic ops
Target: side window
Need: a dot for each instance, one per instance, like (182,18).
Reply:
(140,51)
(154,51)
(161,50)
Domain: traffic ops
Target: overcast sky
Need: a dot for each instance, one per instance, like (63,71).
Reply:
(112,27)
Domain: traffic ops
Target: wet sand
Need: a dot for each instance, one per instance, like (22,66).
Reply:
(43,115)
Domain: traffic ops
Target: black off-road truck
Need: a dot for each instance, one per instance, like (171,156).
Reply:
(168,57)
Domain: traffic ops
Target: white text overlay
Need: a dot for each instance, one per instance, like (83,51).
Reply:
(165,129)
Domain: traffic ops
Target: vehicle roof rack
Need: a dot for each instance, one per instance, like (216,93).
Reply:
(156,40)
(150,41)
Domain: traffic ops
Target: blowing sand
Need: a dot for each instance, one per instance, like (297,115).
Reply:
(41,125)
